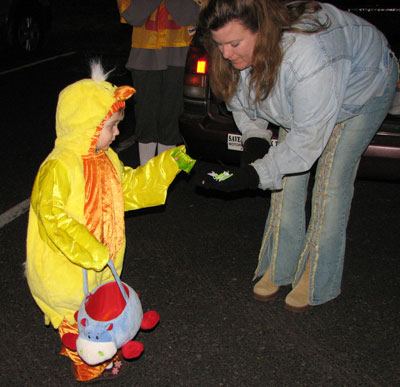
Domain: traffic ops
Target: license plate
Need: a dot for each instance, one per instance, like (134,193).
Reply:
(234,142)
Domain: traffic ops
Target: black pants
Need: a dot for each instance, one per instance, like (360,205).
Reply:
(158,105)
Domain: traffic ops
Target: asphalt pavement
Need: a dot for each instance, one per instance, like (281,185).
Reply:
(192,260)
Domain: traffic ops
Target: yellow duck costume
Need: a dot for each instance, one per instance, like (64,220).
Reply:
(76,217)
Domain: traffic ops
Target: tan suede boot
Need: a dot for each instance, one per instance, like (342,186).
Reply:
(297,299)
(264,290)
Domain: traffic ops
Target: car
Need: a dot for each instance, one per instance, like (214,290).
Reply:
(210,134)
(24,24)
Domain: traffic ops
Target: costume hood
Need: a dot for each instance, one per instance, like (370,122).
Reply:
(84,106)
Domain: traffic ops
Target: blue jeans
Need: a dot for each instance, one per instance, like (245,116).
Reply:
(288,244)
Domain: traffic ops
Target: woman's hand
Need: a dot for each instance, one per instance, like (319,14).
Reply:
(213,176)
(254,148)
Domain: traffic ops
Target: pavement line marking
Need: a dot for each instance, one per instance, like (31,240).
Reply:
(37,62)
(20,209)
(14,212)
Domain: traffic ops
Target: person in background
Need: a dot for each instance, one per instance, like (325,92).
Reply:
(327,78)
(162,32)
(76,217)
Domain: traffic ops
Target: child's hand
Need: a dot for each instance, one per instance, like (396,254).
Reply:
(184,161)
(97,264)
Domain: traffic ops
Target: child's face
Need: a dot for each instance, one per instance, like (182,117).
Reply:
(109,131)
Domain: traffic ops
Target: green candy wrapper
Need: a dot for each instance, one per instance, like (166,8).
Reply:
(184,161)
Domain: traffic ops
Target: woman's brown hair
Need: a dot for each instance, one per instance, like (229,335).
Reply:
(270,18)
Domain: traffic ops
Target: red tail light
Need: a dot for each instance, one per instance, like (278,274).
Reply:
(196,62)
(201,66)
(195,80)
(197,77)
(196,73)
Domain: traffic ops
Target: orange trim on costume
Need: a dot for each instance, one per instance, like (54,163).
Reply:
(120,104)
(104,200)
(124,92)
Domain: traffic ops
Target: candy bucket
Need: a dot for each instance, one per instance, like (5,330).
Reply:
(108,318)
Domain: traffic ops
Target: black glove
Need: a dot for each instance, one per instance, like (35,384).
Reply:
(254,148)
(213,176)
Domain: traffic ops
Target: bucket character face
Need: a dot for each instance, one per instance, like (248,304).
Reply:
(95,343)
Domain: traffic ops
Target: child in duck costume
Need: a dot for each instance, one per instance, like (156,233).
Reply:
(81,191)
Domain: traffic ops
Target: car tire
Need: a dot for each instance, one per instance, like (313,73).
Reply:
(26,33)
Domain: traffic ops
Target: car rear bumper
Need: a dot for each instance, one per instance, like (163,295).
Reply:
(207,139)
(381,160)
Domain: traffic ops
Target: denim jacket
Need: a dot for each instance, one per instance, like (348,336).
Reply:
(324,79)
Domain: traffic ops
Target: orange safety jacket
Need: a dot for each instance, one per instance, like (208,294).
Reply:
(159,30)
